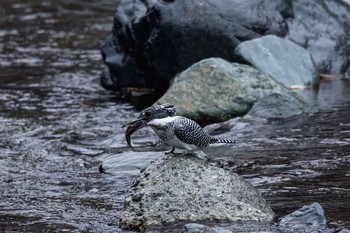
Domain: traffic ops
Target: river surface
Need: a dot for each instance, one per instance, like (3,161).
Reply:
(57,124)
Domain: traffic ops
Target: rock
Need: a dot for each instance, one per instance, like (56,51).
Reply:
(200,228)
(322,27)
(309,214)
(128,162)
(221,230)
(214,90)
(197,228)
(152,41)
(274,106)
(278,106)
(119,65)
(184,188)
(347,73)
(277,57)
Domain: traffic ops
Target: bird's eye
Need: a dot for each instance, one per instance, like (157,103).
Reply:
(147,114)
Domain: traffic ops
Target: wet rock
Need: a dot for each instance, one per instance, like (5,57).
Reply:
(184,188)
(197,228)
(154,40)
(200,228)
(119,65)
(272,107)
(347,73)
(216,90)
(128,162)
(322,27)
(278,106)
(153,37)
(309,214)
(277,57)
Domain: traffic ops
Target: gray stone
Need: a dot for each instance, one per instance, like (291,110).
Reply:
(309,214)
(128,162)
(274,106)
(282,59)
(278,106)
(221,230)
(200,228)
(323,28)
(197,228)
(347,73)
(184,188)
(152,41)
(216,90)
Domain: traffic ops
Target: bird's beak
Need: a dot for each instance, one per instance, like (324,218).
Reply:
(133,126)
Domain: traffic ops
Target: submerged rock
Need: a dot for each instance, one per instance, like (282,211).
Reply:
(216,90)
(282,59)
(185,188)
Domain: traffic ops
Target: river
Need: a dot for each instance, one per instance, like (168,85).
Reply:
(57,124)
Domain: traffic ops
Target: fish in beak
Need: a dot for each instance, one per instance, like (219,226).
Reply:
(133,127)
(146,115)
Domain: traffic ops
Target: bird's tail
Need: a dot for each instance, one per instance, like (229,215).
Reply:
(221,140)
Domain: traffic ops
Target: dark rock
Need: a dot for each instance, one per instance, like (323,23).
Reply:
(119,65)
(154,40)
(184,188)
(214,90)
(159,38)
(282,59)
(309,214)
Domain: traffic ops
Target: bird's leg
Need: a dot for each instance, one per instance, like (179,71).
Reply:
(171,151)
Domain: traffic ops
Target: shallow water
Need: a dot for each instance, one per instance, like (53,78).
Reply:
(57,125)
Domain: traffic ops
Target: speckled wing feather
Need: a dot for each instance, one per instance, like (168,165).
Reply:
(190,132)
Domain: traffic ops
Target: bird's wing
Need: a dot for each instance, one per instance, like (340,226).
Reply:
(190,132)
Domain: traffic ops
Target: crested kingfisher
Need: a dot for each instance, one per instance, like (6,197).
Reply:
(175,131)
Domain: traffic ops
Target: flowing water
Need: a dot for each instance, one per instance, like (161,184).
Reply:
(57,125)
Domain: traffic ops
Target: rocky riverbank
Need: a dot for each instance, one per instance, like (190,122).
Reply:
(151,42)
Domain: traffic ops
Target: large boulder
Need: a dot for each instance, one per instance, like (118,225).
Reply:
(282,59)
(323,28)
(214,90)
(154,40)
(184,188)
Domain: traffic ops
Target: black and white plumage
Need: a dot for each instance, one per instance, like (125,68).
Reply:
(175,131)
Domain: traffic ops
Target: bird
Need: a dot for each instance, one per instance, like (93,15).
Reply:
(175,131)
